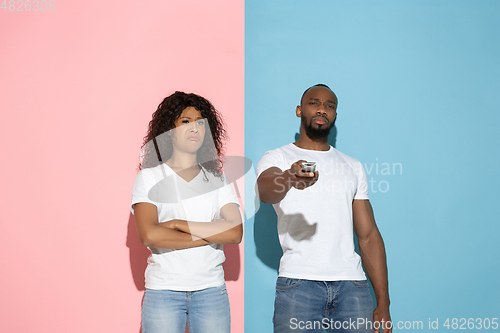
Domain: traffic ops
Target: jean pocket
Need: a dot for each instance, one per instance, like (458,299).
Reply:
(284,283)
(222,289)
(361,283)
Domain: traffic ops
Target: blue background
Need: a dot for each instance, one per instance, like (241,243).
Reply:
(418,85)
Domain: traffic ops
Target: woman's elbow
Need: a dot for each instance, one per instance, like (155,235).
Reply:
(236,235)
(237,239)
(147,239)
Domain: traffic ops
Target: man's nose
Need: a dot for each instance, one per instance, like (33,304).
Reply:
(321,109)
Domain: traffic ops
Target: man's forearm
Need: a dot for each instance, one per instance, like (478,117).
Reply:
(373,256)
(273,188)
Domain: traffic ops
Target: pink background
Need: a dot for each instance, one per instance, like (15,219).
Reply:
(78,87)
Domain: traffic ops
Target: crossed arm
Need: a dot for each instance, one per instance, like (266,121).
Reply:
(181,234)
(372,250)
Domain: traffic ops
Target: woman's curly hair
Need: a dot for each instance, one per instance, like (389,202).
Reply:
(164,119)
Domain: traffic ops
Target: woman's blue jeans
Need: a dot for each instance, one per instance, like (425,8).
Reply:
(312,306)
(205,311)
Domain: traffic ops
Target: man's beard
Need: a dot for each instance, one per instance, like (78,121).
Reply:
(317,133)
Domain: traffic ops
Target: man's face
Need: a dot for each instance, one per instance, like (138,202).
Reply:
(318,111)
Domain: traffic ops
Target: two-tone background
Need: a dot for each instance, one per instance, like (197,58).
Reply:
(418,84)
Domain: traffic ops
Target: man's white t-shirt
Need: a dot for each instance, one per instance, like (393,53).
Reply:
(198,200)
(315,225)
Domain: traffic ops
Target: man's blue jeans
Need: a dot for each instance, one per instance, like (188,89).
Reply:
(206,311)
(311,306)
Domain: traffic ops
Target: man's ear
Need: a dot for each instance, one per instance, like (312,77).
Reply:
(298,111)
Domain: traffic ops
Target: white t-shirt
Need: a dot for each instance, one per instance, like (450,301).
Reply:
(315,225)
(199,200)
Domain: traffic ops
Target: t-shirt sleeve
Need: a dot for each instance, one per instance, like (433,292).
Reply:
(226,194)
(362,189)
(143,183)
(270,159)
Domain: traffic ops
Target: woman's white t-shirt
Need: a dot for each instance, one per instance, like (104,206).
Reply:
(198,200)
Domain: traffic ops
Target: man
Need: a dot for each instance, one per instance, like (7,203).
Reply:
(321,283)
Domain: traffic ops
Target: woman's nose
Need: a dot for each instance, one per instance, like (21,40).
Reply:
(194,127)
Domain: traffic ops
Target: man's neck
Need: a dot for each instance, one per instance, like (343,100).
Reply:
(305,142)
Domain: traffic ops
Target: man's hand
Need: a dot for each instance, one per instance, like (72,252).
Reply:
(300,179)
(381,314)
(273,184)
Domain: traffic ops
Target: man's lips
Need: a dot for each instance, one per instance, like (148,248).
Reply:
(320,120)
(193,138)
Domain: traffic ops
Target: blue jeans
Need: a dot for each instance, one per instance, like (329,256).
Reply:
(166,311)
(312,306)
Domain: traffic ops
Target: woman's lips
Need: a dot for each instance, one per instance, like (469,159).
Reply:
(194,138)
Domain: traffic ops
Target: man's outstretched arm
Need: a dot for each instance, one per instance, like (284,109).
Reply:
(372,250)
(273,184)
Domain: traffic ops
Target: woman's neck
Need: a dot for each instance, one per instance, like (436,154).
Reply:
(182,160)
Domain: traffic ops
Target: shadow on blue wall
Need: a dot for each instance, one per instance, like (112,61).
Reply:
(266,240)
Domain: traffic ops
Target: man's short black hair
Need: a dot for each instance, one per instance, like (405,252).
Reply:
(316,85)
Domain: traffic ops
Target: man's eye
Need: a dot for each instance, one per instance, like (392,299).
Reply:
(331,106)
(201,122)
(314,103)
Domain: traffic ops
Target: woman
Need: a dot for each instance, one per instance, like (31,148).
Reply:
(184,210)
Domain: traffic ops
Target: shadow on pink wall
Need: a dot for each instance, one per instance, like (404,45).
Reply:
(138,254)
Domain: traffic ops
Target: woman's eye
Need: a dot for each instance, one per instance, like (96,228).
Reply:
(201,123)
(185,121)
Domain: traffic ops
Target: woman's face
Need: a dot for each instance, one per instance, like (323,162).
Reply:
(189,131)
